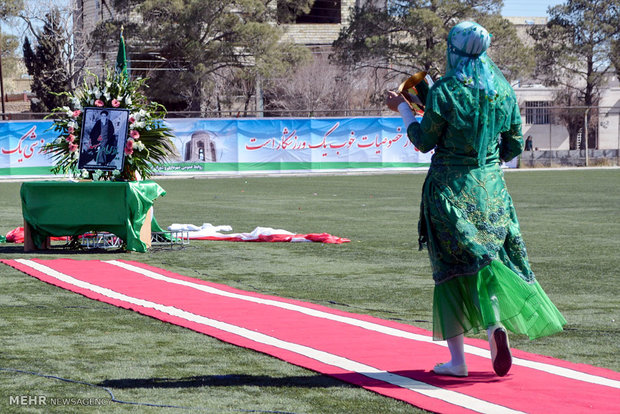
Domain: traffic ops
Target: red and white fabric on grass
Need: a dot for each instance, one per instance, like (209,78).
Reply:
(387,357)
(260,234)
(210,232)
(17,236)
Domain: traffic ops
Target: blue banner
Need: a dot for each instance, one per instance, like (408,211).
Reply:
(244,144)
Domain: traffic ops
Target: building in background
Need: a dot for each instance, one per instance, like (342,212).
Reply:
(320,27)
(537,106)
(86,15)
(317,29)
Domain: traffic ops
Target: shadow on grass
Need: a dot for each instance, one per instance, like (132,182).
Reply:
(314,381)
(19,249)
(346,380)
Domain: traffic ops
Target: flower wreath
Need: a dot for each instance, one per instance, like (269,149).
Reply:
(149,140)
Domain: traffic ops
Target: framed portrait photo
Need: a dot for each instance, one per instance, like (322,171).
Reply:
(103,138)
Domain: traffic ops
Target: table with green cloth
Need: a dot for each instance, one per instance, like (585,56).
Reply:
(68,208)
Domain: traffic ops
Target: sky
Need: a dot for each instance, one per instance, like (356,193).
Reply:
(528,8)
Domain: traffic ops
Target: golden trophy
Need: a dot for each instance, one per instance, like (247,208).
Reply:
(415,90)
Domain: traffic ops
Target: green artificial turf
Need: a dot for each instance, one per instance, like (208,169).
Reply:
(570,221)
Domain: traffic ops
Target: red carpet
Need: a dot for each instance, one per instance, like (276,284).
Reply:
(387,357)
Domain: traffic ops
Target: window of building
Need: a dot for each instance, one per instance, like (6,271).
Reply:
(537,112)
(322,12)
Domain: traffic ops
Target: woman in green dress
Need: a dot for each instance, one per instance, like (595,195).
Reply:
(467,220)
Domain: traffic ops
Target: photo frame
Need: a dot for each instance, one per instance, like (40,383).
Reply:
(103,139)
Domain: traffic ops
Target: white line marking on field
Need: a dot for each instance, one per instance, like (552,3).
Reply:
(428,390)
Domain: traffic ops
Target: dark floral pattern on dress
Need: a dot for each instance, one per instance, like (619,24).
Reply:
(468,219)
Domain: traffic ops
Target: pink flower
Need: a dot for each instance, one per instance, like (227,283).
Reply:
(76,113)
(99,138)
(128,151)
(72,147)
(98,102)
(134,134)
(70,130)
(132,119)
(71,138)
(115,103)
(129,143)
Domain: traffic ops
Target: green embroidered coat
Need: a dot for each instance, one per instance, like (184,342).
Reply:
(467,218)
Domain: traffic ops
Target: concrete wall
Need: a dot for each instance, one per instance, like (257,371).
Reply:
(574,158)
(609,118)
(547,136)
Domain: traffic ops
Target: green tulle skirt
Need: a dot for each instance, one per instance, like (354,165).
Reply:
(494,295)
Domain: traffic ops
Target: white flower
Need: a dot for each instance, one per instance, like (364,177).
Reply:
(76,102)
(107,95)
(128,100)
(72,124)
(139,124)
(138,145)
(84,173)
(58,140)
(142,113)
(96,93)
(108,84)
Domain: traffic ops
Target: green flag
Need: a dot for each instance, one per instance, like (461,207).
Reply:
(121,57)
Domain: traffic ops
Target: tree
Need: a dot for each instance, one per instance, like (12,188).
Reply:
(10,8)
(289,9)
(324,89)
(9,45)
(575,50)
(73,53)
(191,44)
(615,56)
(409,36)
(45,65)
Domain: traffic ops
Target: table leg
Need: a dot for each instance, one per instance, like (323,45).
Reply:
(29,245)
(145,231)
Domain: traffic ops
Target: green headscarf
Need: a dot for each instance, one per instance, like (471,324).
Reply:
(467,57)
(489,105)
